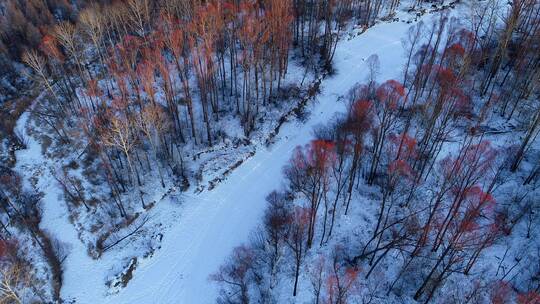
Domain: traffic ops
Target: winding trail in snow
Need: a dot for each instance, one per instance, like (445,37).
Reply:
(213,222)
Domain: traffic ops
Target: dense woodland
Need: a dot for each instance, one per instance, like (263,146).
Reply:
(159,77)
(128,92)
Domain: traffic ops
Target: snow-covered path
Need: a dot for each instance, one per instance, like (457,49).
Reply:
(217,221)
(214,222)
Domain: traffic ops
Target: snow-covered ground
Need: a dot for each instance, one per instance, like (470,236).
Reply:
(205,227)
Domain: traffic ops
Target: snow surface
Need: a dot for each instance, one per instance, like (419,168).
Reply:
(208,225)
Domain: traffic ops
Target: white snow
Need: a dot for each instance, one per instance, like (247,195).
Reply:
(210,224)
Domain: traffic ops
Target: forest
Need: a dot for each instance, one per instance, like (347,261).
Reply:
(124,120)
